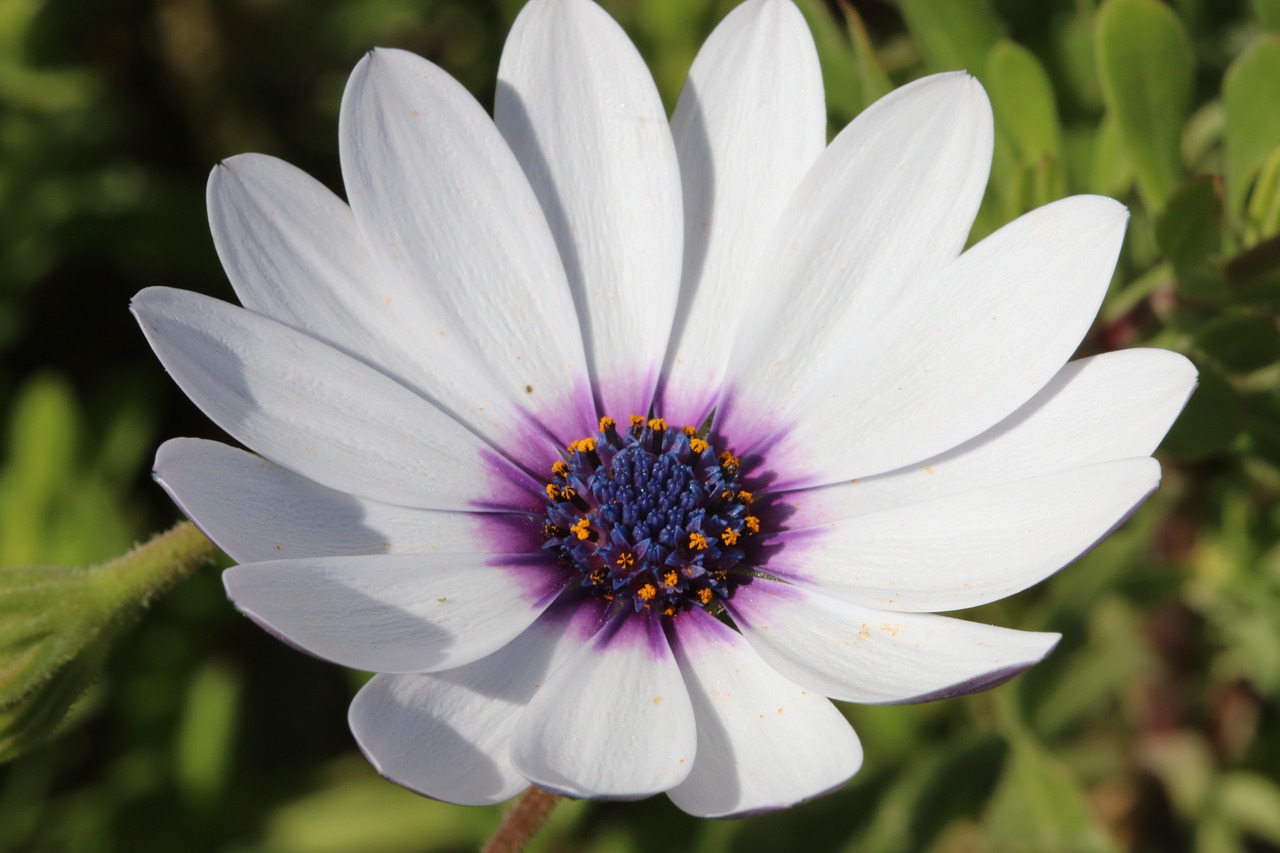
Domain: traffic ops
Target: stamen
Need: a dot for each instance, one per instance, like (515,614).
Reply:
(643,522)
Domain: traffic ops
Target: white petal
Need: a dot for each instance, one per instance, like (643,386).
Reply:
(319,412)
(448,735)
(1116,405)
(614,721)
(965,549)
(255,510)
(963,353)
(580,110)
(886,206)
(396,612)
(448,214)
(750,122)
(860,654)
(293,252)
(763,741)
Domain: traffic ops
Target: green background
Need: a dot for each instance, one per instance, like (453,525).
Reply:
(1154,726)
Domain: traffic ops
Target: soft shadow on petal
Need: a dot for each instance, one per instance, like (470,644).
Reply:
(961,354)
(965,549)
(396,612)
(447,212)
(763,742)
(884,208)
(315,410)
(293,252)
(860,654)
(615,721)
(750,121)
(1117,405)
(255,510)
(448,735)
(580,110)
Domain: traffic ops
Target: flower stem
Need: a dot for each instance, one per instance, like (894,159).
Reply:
(523,821)
(130,582)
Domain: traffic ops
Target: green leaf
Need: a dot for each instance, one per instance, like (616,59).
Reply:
(1264,202)
(1111,172)
(1039,806)
(1188,228)
(1240,344)
(871,75)
(954,35)
(844,65)
(1210,422)
(1253,123)
(1252,802)
(1023,102)
(1145,64)
(1268,13)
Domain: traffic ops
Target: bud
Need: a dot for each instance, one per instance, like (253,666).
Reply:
(48,614)
(57,624)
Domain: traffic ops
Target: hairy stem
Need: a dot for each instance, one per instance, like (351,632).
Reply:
(523,821)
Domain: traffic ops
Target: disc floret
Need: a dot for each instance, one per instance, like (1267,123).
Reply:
(650,517)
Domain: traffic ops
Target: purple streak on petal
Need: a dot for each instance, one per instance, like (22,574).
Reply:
(687,408)
(540,574)
(508,489)
(563,419)
(631,628)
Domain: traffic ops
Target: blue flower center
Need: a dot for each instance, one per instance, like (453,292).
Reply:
(650,517)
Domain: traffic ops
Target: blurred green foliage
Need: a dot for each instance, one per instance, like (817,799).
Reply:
(1154,726)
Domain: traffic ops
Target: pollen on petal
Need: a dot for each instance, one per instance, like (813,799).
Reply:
(697,541)
(647,592)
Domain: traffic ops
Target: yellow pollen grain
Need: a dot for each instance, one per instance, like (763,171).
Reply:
(636,421)
(607,423)
(753,523)
(729,536)
(625,560)
(697,541)
(671,578)
(559,468)
(582,528)
(729,462)
(697,445)
(568,493)
(746,497)
(657,424)
(689,431)
(647,592)
(553,491)
(704,595)
(586,445)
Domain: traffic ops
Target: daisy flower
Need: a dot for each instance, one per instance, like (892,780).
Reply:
(616,444)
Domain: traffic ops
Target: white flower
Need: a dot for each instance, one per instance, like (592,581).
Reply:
(901,429)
